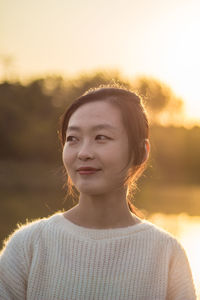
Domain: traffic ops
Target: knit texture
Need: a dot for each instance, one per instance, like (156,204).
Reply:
(55,259)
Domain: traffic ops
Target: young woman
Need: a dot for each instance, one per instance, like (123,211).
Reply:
(99,249)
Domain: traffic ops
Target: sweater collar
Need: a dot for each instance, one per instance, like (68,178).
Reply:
(98,234)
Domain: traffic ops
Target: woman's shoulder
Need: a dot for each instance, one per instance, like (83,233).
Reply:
(159,234)
(28,232)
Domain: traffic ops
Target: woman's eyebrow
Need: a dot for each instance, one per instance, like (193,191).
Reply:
(96,127)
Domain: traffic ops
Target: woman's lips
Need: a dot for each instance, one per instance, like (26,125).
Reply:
(87,170)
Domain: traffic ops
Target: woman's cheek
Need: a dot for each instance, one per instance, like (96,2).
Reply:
(66,157)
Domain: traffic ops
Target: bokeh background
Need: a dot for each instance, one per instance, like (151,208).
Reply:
(51,52)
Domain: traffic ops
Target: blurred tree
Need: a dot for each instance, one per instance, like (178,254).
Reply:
(163,105)
(7,65)
(175,152)
(63,92)
(29,117)
(28,122)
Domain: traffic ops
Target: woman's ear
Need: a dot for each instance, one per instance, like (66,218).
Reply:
(147,149)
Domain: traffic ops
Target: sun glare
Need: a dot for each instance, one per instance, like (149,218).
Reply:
(185,61)
(174,46)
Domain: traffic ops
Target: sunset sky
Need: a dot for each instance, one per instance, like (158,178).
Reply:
(158,38)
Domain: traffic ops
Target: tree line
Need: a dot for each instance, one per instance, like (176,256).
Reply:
(29,121)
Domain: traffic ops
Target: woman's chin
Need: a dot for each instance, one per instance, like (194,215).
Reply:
(91,189)
(98,187)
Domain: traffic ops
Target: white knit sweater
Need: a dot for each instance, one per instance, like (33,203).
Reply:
(55,259)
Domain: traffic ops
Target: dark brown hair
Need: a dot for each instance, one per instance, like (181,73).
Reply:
(135,121)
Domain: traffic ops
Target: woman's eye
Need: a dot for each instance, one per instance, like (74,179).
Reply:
(102,137)
(71,138)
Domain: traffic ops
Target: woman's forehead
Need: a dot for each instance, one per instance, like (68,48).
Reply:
(98,114)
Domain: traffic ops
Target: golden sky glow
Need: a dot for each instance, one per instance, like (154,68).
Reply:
(159,38)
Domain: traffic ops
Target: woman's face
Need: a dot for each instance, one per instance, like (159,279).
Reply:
(95,153)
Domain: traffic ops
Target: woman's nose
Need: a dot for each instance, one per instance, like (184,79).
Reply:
(85,152)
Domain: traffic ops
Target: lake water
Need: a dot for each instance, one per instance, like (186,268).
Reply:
(187,230)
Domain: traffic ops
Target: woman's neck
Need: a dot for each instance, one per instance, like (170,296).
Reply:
(103,211)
